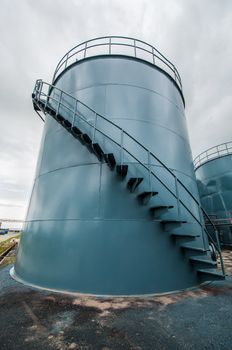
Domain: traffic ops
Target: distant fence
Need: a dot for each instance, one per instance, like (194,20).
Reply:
(11,224)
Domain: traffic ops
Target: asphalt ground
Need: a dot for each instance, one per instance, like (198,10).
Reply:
(37,319)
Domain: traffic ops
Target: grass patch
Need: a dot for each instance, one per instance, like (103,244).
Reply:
(7,243)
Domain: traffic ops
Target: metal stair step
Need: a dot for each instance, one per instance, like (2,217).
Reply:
(192,248)
(97,150)
(75,131)
(161,208)
(144,197)
(59,118)
(195,259)
(158,211)
(133,183)
(48,108)
(110,160)
(122,170)
(177,222)
(36,107)
(209,274)
(184,235)
(66,123)
(86,139)
(41,103)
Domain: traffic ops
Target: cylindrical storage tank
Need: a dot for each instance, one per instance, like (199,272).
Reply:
(94,227)
(214,179)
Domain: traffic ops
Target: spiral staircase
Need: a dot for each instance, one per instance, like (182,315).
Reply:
(50,101)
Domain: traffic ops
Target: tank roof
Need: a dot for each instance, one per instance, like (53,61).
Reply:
(211,153)
(119,45)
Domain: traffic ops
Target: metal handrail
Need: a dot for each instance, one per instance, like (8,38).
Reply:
(217,245)
(155,57)
(214,152)
(38,93)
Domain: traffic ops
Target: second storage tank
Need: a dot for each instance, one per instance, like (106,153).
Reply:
(214,178)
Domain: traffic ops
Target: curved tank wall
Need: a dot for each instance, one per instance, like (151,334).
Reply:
(83,231)
(214,179)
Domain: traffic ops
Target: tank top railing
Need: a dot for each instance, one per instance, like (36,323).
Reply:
(80,114)
(118,45)
(215,152)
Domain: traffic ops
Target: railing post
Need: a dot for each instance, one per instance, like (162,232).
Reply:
(149,169)
(202,221)
(40,89)
(175,74)
(153,55)
(219,251)
(121,145)
(74,113)
(66,62)
(85,49)
(177,198)
(58,108)
(94,128)
(109,46)
(135,47)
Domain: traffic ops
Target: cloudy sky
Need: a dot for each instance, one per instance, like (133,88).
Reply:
(196,35)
